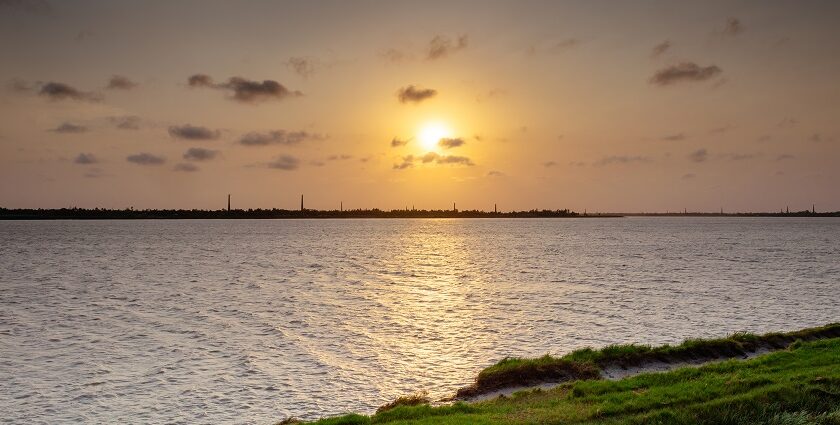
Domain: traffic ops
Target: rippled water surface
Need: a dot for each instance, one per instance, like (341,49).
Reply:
(253,321)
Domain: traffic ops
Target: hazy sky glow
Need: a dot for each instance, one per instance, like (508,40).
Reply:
(604,106)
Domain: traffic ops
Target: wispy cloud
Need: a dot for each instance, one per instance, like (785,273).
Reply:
(70,128)
(660,49)
(192,132)
(35,7)
(620,159)
(684,72)
(145,159)
(449,143)
(244,90)
(442,46)
(304,67)
(674,137)
(414,94)
(278,137)
(86,159)
(61,91)
(433,158)
(119,82)
(185,167)
(396,142)
(284,162)
(700,155)
(200,154)
(128,122)
(732,27)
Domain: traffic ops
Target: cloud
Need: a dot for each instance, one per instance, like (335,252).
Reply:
(395,142)
(128,122)
(84,35)
(244,90)
(674,137)
(342,157)
(449,143)
(191,132)
(415,94)
(61,91)
(69,128)
(819,138)
(394,55)
(278,137)
(35,7)
(549,164)
(185,167)
(620,159)
(685,71)
(699,155)
(86,159)
(688,176)
(302,66)
(721,130)
(785,156)
(495,173)
(432,157)
(744,156)
(119,82)
(200,154)
(733,27)
(284,162)
(145,159)
(566,44)
(788,123)
(442,46)
(660,49)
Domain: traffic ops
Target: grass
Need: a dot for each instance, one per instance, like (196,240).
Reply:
(586,363)
(799,384)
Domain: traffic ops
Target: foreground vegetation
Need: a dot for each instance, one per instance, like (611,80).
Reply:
(799,384)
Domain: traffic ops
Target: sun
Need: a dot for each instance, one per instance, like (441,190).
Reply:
(431,133)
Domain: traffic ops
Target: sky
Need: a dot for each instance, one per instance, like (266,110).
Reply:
(632,106)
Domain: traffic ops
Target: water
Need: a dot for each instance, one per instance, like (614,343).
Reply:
(252,321)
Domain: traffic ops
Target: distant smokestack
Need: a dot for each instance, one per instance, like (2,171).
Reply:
(228,202)
(787,210)
(301,202)
(494,209)
(342,206)
(453,207)
(813,208)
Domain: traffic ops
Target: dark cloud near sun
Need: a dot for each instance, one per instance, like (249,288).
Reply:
(684,72)
(279,137)
(192,132)
(449,143)
(284,162)
(244,90)
(433,158)
(119,82)
(660,49)
(414,94)
(567,44)
(69,128)
(396,142)
(145,159)
(441,46)
(200,154)
(61,91)
(86,159)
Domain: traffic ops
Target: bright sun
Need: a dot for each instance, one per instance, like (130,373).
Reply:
(431,133)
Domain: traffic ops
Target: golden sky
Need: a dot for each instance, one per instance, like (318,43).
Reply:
(598,105)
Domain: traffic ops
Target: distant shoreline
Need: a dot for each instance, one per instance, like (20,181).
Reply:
(132,214)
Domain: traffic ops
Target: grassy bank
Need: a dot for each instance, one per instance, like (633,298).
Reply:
(796,384)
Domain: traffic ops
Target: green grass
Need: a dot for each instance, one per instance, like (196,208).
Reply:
(800,384)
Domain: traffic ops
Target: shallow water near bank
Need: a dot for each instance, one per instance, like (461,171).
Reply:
(253,321)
